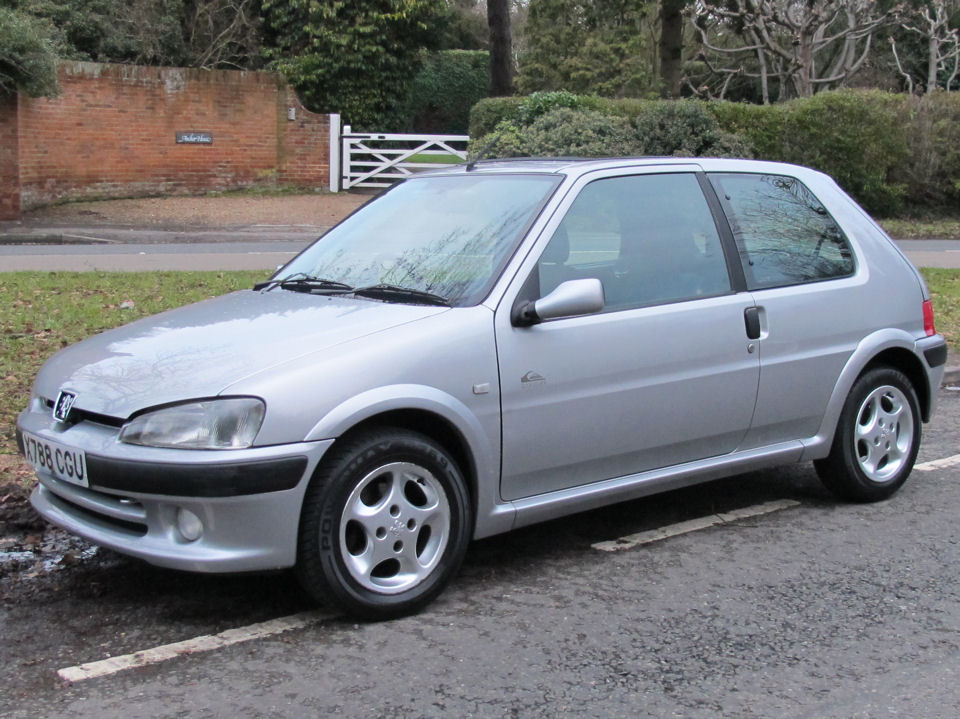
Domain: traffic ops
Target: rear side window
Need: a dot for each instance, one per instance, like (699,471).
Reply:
(784,235)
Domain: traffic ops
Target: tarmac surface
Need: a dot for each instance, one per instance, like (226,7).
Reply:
(823,609)
(42,243)
(81,249)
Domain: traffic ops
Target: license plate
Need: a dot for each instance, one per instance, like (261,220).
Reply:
(66,463)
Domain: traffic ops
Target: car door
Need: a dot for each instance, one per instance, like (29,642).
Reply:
(801,270)
(665,374)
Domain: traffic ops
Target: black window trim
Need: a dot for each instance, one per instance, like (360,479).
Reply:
(731,254)
(530,289)
(727,212)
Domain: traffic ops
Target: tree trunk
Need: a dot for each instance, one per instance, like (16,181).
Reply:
(805,71)
(671,46)
(501,56)
(933,50)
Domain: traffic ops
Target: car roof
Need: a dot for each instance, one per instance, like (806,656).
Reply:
(581,165)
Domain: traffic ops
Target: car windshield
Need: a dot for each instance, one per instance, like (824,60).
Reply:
(449,236)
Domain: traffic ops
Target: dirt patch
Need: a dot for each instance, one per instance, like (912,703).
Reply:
(230,211)
(29,546)
(16,483)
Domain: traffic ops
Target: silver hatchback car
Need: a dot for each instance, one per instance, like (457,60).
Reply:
(486,347)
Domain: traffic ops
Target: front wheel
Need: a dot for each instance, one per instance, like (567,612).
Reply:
(385,524)
(876,440)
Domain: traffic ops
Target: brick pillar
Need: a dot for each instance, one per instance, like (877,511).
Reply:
(9,158)
(303,142)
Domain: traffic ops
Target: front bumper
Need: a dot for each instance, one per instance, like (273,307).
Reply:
(248,501)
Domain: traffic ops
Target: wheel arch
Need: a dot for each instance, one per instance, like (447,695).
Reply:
(444,419)
(912,366)
(431,425)
(889,347)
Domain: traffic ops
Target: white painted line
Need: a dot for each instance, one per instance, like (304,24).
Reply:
(204,643)
(692,525)
(306,226)
(93,239)
(938,464)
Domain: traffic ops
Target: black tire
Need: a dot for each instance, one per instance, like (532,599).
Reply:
(385,524)
(877,438)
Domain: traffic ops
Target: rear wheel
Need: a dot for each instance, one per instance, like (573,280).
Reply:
(877,438)
(385,524)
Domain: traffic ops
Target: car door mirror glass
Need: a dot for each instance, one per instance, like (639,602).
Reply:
(570,299)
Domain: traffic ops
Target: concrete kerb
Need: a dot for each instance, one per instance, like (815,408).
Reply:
(951,377)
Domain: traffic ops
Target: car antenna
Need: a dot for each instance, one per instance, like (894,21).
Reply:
(479,156)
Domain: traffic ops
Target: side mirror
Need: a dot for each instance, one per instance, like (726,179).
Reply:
(570,299)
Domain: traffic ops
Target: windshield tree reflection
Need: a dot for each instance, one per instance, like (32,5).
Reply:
(445,235)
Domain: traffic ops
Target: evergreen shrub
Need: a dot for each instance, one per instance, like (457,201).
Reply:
(892,152)
(686,129)
(446,87)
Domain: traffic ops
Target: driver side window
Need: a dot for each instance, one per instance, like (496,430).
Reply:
(649,239)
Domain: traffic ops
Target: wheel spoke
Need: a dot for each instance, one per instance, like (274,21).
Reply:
(883,437)
(400,508)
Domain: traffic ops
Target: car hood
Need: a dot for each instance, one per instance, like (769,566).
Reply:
(198,350)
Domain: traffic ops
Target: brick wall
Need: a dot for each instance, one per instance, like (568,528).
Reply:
(9,159)
(304,149)
(113,132)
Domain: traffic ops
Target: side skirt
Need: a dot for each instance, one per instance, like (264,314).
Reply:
(552,505)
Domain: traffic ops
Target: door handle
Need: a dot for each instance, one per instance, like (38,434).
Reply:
(751,318)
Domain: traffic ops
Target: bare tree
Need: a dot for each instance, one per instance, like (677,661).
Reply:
(932,24)
(221,33)
(804,45)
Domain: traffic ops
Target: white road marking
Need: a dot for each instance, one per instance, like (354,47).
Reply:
(938,464)
(692,525)
(196,645)
(93,239)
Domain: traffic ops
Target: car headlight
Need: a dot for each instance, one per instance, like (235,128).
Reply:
(212,424)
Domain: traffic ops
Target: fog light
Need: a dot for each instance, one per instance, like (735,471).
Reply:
(189,524)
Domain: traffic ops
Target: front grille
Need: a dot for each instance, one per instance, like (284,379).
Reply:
(103,521)
(81,415)
(102,510)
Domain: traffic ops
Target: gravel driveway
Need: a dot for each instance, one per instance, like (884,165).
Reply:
(223,211)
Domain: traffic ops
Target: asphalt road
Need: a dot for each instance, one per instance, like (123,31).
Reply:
(217,251)
(824,609)
(250,255)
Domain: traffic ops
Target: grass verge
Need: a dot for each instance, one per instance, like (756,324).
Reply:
(944,287)
(435,159)
(922,229)
(41,312)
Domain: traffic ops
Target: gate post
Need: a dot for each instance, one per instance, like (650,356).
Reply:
(334,152)
(345,158)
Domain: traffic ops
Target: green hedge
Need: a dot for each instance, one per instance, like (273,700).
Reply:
(490,112)
(893,152)
(446,87)
(856,137)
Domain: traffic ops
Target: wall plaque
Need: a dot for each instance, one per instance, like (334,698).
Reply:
(194,138)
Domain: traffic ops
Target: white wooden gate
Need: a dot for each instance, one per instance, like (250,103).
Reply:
(374,159)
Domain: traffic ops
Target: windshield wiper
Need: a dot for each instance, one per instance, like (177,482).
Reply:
(303,283)
(399,294)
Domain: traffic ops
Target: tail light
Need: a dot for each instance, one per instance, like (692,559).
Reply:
(928,318)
